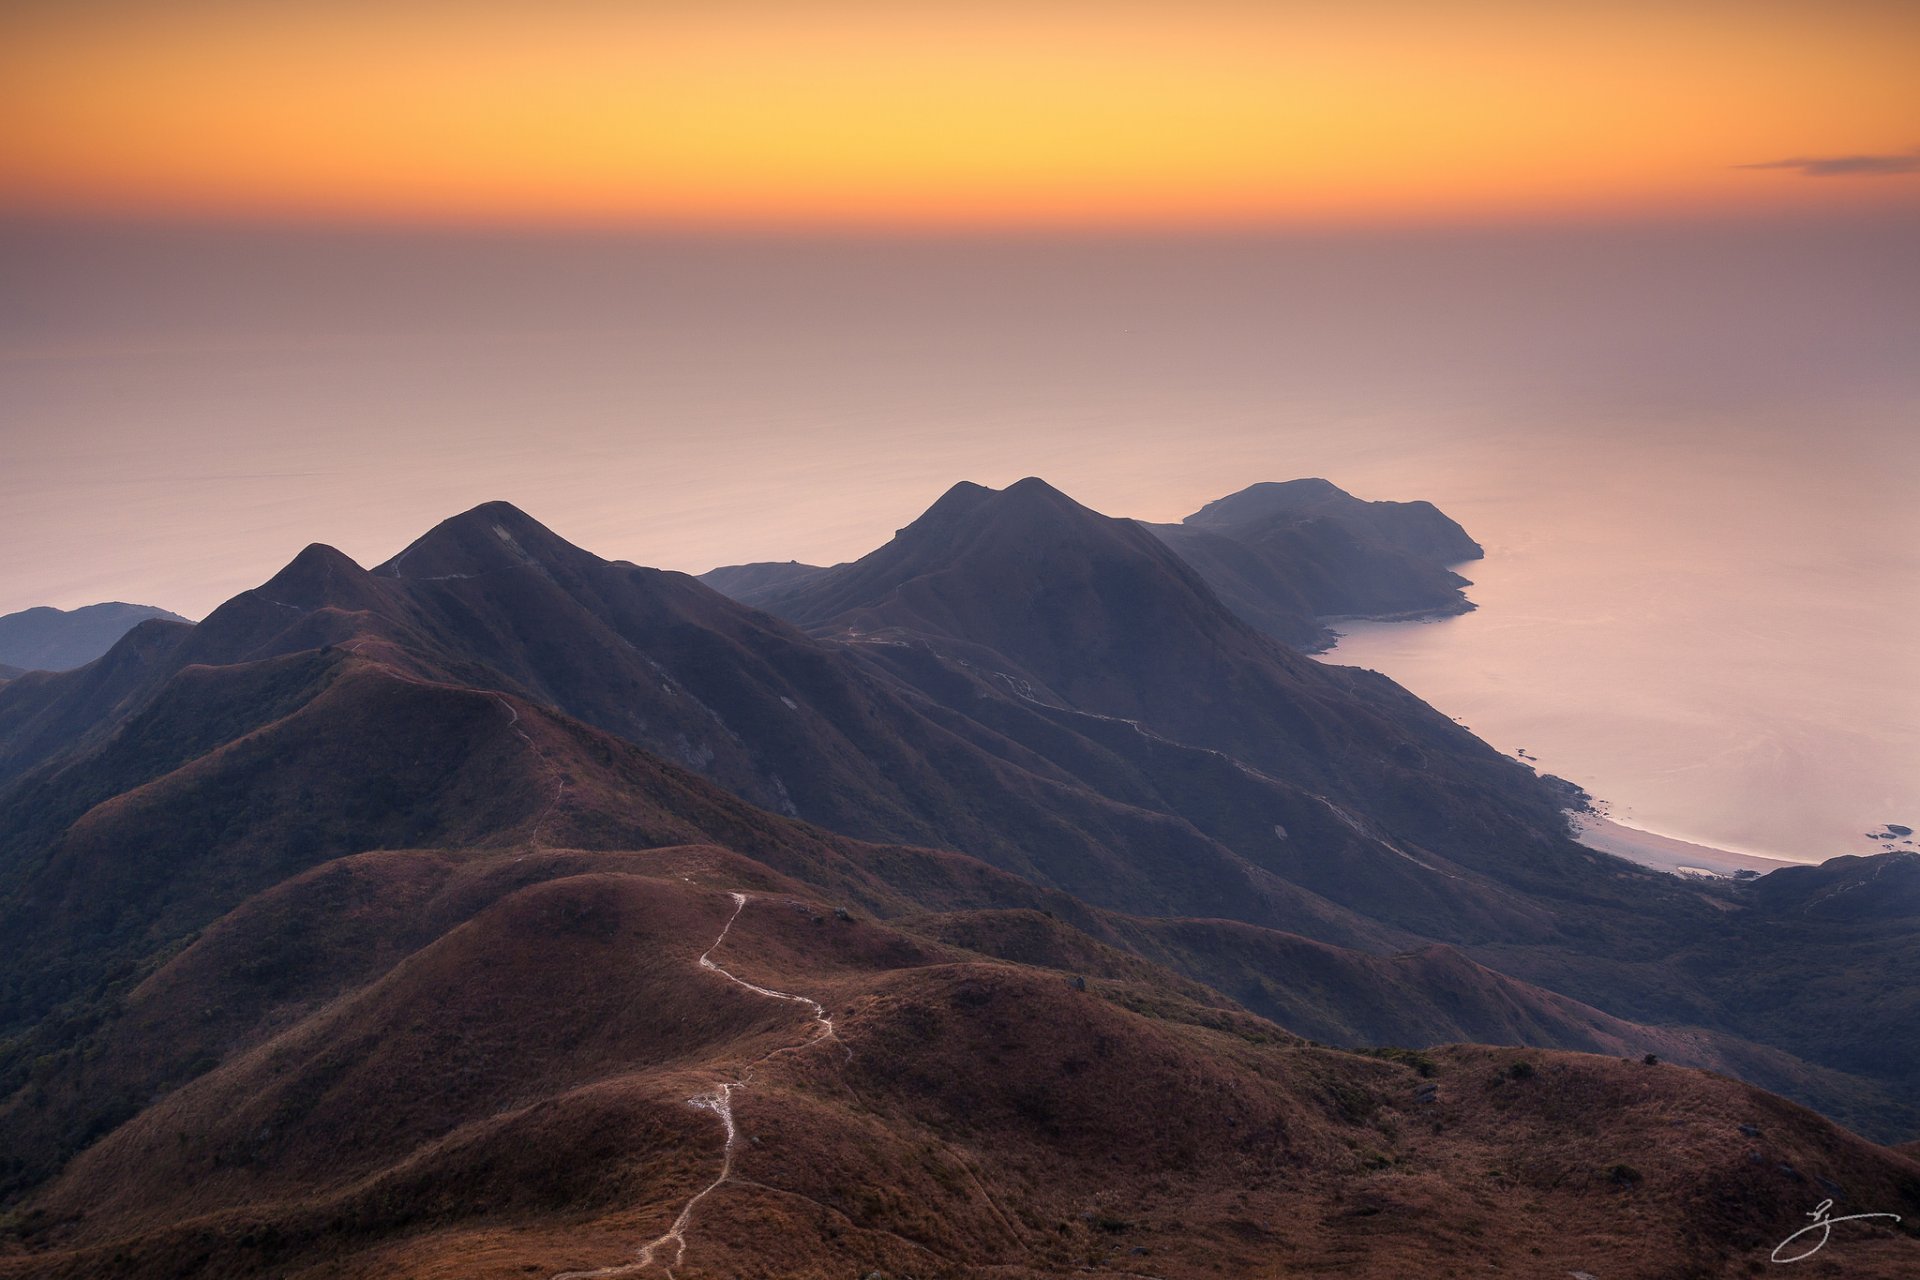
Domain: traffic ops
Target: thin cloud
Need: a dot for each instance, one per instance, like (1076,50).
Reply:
(1846,166)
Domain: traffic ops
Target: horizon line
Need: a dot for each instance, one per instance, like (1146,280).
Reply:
(19,218)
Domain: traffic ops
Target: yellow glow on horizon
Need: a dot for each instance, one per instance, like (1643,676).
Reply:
(936,113)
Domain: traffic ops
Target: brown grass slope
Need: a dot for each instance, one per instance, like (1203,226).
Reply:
(1340,996)
(512,1098)
(347,754)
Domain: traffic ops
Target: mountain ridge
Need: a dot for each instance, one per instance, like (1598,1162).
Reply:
(1286,557)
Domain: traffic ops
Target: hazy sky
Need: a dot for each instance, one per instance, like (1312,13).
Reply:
(187,408)
(333,269)
(950,113)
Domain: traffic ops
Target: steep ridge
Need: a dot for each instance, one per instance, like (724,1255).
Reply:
(480,1059)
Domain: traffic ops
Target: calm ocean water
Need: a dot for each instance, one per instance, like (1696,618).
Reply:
(1693,637)
(1690,451)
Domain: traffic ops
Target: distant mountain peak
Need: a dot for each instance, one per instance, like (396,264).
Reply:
(1263,510)
(1267,499)
(48,639)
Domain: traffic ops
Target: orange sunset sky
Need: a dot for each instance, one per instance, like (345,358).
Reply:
(932,113)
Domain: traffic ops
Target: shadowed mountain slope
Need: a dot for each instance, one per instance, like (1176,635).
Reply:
(1078,612)
(1286,556)
(751,584)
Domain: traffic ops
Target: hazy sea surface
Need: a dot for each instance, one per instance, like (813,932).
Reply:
(1691,637)
(1689,450)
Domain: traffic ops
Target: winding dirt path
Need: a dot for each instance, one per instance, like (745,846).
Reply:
(719,1101)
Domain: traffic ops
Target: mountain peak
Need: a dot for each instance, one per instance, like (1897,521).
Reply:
(1034,486)
(1056,588)
(1270,508)
(493,535)
(1268,499)
(957,502)
(312,578)
(1015,508)
(500,511)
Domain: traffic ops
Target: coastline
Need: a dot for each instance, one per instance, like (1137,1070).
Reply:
(1333,635)
(1665,853)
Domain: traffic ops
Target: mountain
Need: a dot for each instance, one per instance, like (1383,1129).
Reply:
(1414,528)
(1016,678)
(801,726)
(1089,618)
(752,583)
(449,916)
(47,639)
(1287,556)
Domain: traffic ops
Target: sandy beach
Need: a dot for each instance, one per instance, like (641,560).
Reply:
(1666,853)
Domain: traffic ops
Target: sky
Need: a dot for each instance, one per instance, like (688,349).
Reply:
(938,114)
